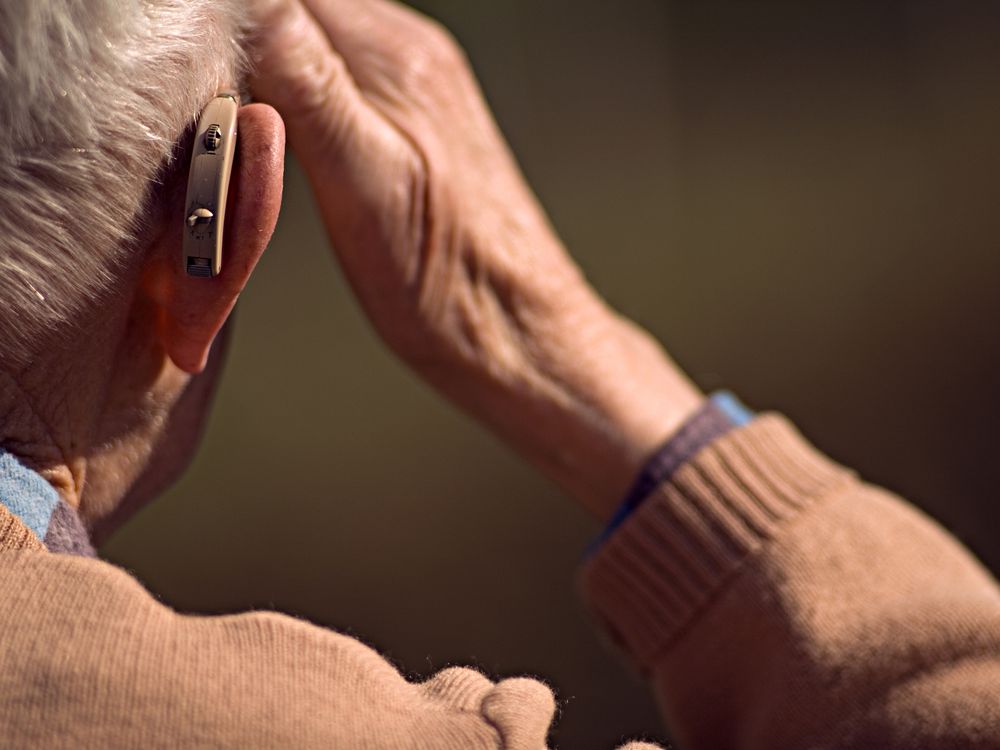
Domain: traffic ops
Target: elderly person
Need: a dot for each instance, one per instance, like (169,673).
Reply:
(772,599)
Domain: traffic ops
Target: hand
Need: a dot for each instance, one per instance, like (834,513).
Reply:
(449,252)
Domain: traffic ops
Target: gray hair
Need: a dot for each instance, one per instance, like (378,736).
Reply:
(94,94)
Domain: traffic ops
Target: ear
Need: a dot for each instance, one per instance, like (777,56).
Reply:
(191,311)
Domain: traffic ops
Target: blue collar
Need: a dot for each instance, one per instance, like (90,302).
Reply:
(27,495)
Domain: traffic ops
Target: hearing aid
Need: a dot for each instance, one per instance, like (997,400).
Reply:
(208,186)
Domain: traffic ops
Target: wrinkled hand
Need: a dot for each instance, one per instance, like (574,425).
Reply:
(447,249)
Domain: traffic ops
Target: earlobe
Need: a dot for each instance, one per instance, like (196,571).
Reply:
(193,310)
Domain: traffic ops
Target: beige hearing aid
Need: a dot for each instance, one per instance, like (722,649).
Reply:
(208,186)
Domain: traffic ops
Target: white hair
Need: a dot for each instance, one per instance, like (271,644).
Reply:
(94,95)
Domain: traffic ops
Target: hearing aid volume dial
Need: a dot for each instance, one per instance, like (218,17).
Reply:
(200,216)
(213,137)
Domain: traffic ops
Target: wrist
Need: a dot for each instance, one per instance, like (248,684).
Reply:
(582,393)
(623,398)
(530,349)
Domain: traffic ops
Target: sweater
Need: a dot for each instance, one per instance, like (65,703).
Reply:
(772,599)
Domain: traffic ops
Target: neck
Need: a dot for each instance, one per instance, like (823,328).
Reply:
(34,502)
(41,443)
(51,408)
(99,401)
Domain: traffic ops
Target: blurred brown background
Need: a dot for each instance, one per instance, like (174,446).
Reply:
(797,197)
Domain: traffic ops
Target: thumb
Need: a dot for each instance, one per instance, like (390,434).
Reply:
(299,73)
(362,169)
(354,157)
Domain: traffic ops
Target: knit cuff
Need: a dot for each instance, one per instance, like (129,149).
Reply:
(669,558)
(713,420)
(14,535)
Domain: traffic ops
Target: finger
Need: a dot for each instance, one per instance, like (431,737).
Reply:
(404,64)
(355,158)
(378,38)
(300,74)
(353,23)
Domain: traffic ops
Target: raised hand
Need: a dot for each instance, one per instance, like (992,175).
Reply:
(447,248)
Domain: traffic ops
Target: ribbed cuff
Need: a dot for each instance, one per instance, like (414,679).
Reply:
(14,535)
(653,576)
(713,420)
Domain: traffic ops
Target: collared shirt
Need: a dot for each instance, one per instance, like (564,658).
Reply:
(32,499)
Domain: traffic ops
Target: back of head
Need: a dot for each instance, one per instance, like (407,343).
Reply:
(94,95)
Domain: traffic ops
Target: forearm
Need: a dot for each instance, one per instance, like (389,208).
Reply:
(449,252)
(587,399)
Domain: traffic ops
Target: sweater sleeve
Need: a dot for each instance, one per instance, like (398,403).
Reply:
(776,601)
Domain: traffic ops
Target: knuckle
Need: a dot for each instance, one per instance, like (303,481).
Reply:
(432,49)
(315,97)
(423,28)
(296,68)
(446,50)
(321,78)
(442,43)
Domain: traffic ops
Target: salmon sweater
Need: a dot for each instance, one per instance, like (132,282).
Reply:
(772,599)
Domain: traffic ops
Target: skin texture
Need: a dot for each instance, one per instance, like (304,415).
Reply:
(447,249)
(113,416)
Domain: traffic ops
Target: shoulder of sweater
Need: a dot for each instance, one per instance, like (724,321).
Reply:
(96,604)
(86,645)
